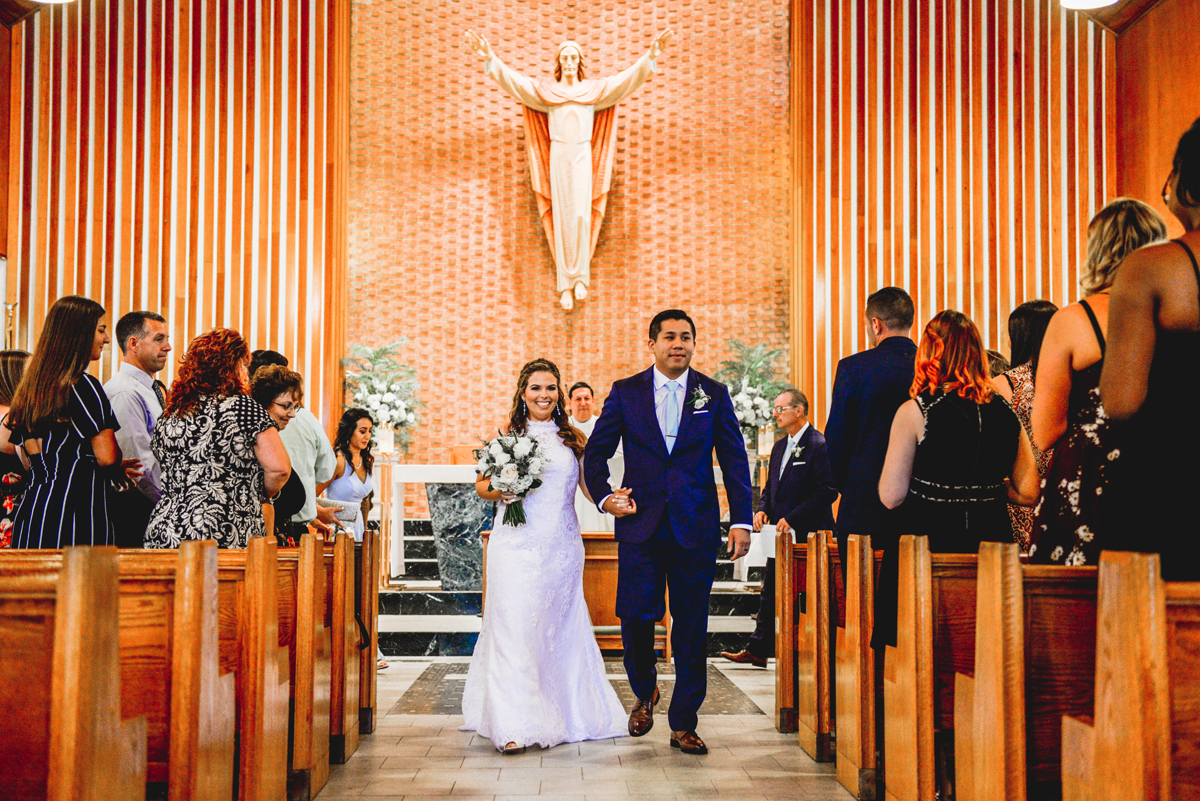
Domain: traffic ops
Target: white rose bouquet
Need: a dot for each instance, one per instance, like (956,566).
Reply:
(515,464)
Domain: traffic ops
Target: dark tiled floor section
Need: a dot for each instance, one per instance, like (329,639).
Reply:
(438,691)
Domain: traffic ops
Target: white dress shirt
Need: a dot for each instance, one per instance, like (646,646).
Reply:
(131,393)
(312,458)
(787,455)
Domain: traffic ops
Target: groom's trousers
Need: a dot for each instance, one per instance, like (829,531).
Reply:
(644,571)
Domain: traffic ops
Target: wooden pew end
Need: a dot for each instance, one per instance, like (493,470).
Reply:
(1078,749)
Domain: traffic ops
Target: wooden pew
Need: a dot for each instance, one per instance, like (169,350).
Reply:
(854,674)
(1144,742)
(814,675)
(248,628)
(791,576)
(302,629)
(1035,655)
(343,654)
(60,693)
(366,560)
(935,640)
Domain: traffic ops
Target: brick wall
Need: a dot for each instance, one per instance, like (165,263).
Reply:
(445,244)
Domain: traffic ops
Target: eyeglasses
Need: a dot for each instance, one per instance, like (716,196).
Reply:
(782,409)
(288,408)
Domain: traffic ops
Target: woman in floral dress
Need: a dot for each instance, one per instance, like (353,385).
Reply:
(220,451)
(1069,521)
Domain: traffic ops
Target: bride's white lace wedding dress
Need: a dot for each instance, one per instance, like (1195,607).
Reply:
(537,676)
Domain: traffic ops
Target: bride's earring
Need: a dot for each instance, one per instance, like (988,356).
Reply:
(523,410)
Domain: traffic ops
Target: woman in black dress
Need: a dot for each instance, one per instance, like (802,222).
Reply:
(957,455)
(1152,379)
(279,391)
(1073,520)
(12,469)
(220,451)
(65,426)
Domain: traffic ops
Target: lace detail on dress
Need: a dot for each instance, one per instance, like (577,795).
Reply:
(537,677)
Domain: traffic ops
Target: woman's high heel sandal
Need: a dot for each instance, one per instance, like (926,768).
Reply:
(512,749)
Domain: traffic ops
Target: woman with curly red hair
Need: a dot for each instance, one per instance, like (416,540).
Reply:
(220,451)
(956,456)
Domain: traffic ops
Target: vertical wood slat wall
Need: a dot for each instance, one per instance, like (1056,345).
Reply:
(187,157)
(956,149)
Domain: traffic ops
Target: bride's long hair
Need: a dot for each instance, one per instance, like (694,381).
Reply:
(571,436)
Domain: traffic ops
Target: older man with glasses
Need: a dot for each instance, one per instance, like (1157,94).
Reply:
(798,499)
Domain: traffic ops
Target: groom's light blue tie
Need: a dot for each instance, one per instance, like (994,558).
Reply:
(671,414)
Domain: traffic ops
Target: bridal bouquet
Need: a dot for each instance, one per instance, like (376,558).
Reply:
(514,463)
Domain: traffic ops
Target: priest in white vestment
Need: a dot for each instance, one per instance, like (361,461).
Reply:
(581,401)
(565,119)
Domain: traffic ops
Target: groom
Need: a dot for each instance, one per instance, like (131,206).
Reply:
(668,520)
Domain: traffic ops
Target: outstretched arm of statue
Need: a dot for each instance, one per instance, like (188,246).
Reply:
(511,81)
(624,83)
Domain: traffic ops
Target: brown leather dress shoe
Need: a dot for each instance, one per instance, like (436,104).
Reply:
(688,742)
(743,657)
(641,719)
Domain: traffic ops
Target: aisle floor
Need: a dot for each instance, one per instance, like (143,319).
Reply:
(426,757)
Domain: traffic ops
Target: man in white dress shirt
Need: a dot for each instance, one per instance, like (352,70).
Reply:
(137,399)
(581,400)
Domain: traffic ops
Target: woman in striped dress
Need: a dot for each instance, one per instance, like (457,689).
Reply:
(62,418)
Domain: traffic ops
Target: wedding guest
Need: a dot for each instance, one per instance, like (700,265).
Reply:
(137,399)
(868,388)
(352,475)
(65,427)
(1026,328)
(1150,379)
(1072,521)
(12,471)
(220,451)
(310,453)
(797,500)
(581,401)
(951,448)
(278,390)
(997,364)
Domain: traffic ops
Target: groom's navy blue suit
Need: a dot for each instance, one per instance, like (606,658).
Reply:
(671,541)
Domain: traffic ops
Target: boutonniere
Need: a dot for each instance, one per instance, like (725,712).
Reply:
(797,450)
(699,400)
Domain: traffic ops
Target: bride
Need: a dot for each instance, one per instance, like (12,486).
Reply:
(537,675)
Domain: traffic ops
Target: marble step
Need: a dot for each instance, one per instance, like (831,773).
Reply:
(728,599)
(441,635)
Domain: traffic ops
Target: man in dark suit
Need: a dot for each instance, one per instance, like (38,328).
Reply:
(670,419)
(868,389)
(798,498)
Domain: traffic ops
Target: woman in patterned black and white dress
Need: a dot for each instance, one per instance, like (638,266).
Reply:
(220,451)
(65,425)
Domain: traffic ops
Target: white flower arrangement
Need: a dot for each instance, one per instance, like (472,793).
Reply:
(752,409)
(513,463)
(385,387)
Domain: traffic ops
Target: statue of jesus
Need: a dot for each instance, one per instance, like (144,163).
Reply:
(570,130)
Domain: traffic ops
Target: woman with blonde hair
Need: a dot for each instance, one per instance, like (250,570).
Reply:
(956,455)
(1068,416)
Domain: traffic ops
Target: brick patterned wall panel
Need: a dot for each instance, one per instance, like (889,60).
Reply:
(445,243)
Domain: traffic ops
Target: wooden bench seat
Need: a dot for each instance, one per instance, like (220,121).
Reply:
(791,577)
(855,682)
(344,660)
(302,629)
(1035,655)
(248,628)
(1143,740)
(367,562)
(935,640)
(814,673)
(60,683)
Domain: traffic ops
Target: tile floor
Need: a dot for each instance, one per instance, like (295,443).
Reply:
(425,757)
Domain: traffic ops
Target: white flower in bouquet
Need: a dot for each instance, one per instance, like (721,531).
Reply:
(514,464)
(385,387)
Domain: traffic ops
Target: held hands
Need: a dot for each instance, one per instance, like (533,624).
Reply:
(760,520)
(739,543)
(660,42)
(126,478)
(480,45)
(621,503)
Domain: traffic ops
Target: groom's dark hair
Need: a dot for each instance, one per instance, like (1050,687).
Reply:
(670,314)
